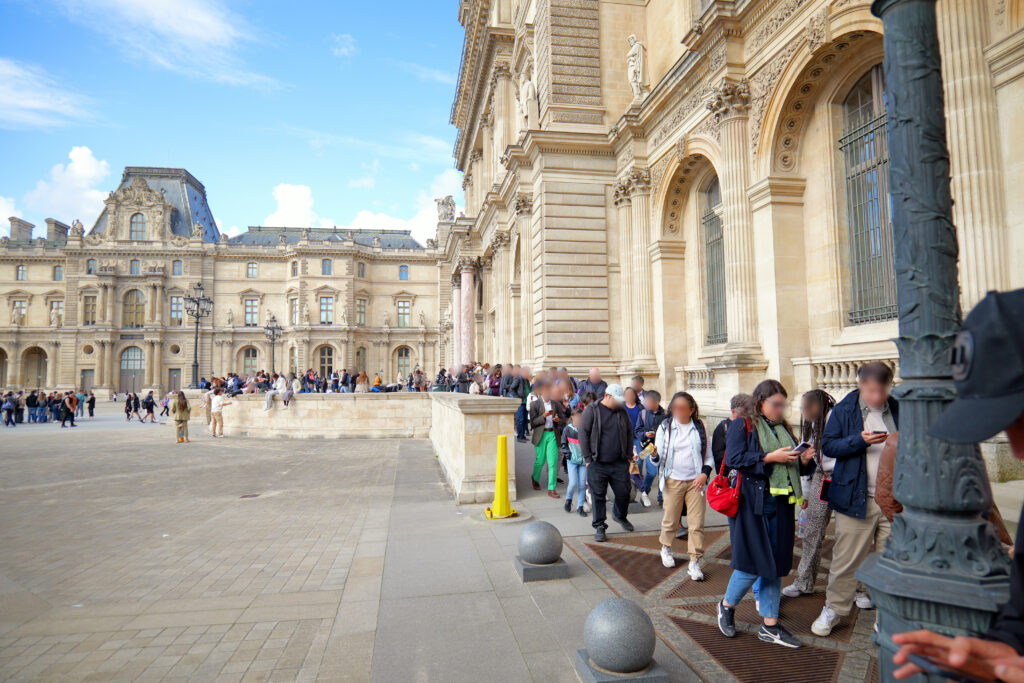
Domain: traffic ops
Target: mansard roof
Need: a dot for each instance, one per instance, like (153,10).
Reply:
(182,190)
(389,239)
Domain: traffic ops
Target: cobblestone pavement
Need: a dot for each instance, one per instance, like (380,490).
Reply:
(128,557)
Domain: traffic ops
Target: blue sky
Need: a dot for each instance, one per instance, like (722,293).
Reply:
(328,112)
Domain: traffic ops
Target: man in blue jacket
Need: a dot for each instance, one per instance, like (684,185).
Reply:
(855,435)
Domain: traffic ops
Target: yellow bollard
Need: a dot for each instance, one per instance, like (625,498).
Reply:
(501,508)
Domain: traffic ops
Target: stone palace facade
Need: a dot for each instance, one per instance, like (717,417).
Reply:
(695,190)
(105,310)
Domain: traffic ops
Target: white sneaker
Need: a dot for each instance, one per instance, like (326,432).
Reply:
(792,591)
(666,557)
(694,571)
(864,601)
(645,499)
(825,622)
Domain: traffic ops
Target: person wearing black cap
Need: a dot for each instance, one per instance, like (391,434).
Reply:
(988,368)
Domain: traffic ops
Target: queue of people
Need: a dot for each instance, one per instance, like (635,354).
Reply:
(38,407)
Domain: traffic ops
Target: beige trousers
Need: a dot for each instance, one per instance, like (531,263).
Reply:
(855,540)
(674,494)
(217,424)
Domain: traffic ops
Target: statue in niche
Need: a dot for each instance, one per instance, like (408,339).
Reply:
(529,107)
(344,316)
(386,323)
(54,317)
(636,68)
(423,319)
(231,318)
(305,313)
(15,316)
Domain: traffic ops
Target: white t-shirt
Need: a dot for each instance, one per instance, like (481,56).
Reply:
(549,423)
(874,423)
(217,403)
(681,448)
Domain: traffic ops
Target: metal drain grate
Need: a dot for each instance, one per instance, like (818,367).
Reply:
(652,542)
(716,578)
(796,614)
(750,659)
(643,571)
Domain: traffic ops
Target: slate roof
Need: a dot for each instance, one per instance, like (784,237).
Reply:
(182,190)
(389,239)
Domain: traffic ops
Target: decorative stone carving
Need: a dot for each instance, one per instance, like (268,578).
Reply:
(180,241)
(77,230)
(773,23)
(640,180)
(524,204)
(304,236)
(197,231)
(636,68)
(4,241)
(282,239)
(817,29)
(716,60)
(15,316)
(445,209)
(499,240)
(693,100)
(223,238)
(730,98)
(529,106)
(761,87)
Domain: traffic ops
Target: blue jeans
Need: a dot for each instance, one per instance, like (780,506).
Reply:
(650,473)
(768,595)
(521,421)
(577,482)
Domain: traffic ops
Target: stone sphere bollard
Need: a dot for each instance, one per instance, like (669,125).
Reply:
(619,636)
(540,543)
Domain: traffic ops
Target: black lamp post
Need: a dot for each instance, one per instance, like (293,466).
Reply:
(943,568)
(273,332)
(198,306)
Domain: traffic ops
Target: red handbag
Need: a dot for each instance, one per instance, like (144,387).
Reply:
(721,496)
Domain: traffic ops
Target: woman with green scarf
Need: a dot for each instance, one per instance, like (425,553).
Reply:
(761,447)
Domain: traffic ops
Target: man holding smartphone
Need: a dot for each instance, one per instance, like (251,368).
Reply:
(855,436)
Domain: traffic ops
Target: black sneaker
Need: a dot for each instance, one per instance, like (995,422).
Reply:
(625,523)
(727,620)
(778,635)
(600,536)
(580,510)
(568,504)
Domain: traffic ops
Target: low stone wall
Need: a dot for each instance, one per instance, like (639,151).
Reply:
(464,431)
(329,416)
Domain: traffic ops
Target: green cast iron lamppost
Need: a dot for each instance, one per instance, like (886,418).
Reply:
(198,306)
(273,332)
(943,568)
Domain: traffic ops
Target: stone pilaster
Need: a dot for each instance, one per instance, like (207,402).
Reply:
(467,345)
(971,122)
(524,218)
(623,208)
(730,105)
(643,323)
(52,350)
(456,319)
(499,252)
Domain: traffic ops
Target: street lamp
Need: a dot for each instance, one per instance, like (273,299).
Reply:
(273,332)
(197,306)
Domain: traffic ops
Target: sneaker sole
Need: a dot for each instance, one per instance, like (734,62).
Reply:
(776,641)
(820,633)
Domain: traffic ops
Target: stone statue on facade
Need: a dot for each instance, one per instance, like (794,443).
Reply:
(231,318)
(77,230)
(282,239)
(445,209)
(386,323)
(305,313)
(224,238)
(529,107)
(636,68)
(344,316)
(197,230)
(54,317)
(15,316)
(423,319)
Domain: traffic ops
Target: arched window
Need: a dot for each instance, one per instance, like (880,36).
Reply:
(134,267)
(137,225)
(252,270)
(295,268)
(90,267)
(403,272)
(714,264)
(176,268)
(134,309)
(360,269)
(20,272)
(326,267)
(58,273)
(133,362)
(866,156)
(404,355)
(326,358)
(249,359)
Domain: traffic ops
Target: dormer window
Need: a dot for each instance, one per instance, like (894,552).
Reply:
(137,225)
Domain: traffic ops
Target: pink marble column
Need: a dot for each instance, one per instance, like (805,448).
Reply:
(468,342)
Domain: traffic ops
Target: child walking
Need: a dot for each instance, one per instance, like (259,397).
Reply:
(574,463)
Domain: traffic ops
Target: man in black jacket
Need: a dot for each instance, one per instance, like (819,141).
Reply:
(606,439)
(718,438)
(988,365)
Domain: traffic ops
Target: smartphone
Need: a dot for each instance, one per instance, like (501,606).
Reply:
(801,447)
(879,432)
(930,666)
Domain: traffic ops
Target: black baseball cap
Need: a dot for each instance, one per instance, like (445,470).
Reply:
(988,369)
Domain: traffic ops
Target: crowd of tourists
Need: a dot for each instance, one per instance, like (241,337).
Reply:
(40,407)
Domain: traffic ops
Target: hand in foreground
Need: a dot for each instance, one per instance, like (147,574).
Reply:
(698,483)
(982,658)
(806,456)
(780,455)
(871,438)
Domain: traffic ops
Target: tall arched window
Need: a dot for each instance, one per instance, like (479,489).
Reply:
(176,268)
(714,264)
(90,267)
(20,272)
(293,359)
(249,359)
(404,355)
(295,268)
(326,358)
(134,267)
(252,270)
(134,309)
(137,225)
(866,156)
(58,273)
(403,272)
(326,267)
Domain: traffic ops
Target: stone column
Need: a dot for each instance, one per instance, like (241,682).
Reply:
(158,303)
(730,105)
(113,368)
(101,362)
(499,250)
(943,564)
(51,364)
(456,320)
(468,343)
(623,206)
(504,113)
(148,365)
(643,318)
(108,303)
(524,209)
(979,211)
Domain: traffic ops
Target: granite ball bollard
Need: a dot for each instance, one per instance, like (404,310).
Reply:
(540,553)
(540,543)
(619,636)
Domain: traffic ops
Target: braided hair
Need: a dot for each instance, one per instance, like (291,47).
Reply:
(812,430)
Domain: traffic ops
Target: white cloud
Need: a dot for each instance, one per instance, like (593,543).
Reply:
(344,45)
(416,147)
(232,231)
(7,209)
(427,73)
(72,190)
(31,98)
(198,38)
(368,181)
(295,209)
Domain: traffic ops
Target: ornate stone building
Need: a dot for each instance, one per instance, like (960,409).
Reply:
(695,190)
(106,310)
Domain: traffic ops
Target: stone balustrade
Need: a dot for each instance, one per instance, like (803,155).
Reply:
(837,376)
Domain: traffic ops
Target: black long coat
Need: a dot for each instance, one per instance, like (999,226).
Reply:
(752,549)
